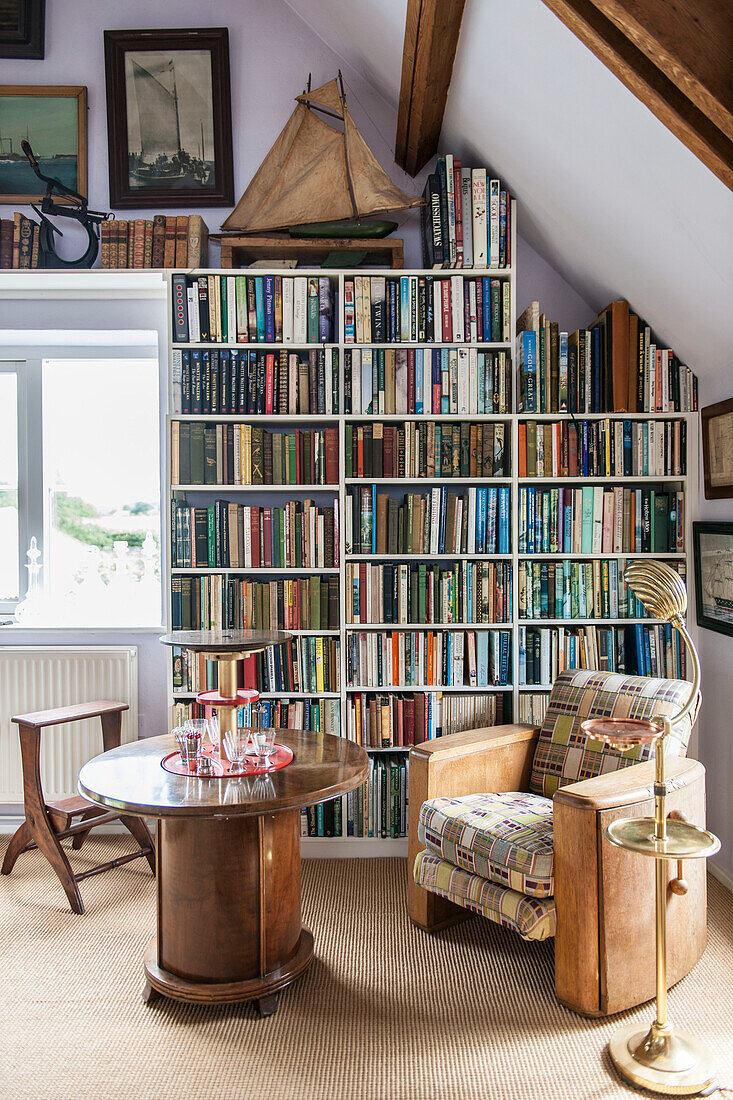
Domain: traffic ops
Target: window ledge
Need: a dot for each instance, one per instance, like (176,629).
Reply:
(99,283)
(37,628)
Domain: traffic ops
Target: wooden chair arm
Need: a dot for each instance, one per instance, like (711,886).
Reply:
(628,786)
(39,719)
(602,891)
(495,759)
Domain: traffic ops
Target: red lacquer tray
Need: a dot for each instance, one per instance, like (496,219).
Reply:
(280,757)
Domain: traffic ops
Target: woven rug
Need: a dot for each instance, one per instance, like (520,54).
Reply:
(386,1012)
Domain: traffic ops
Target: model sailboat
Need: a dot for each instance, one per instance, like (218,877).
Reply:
(317,173)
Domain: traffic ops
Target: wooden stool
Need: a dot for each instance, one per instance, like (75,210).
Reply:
(47,823)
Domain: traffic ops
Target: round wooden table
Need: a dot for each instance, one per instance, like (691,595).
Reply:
(228,858)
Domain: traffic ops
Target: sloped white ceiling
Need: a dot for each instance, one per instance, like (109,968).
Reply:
(609,197)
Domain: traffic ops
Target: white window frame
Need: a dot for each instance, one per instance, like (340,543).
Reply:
(23,354)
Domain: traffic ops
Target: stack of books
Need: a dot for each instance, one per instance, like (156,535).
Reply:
(224,535)
(177,240)
(476,521)
(243,454)
(253,309)
(640,650)
(317,715)
(379,807)
(442,381)
(431,450)
(602,448)
(219,602)
(19,242)
(532,707)
(401,720)
(427,658)
(412,594)
(232,380)
(616,364)
(412,309)
(578,590)
(598,520)
(466,219)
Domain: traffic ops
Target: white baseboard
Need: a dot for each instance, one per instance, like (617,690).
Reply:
(721,876)
(310,847)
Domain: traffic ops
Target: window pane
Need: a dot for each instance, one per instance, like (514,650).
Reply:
(9,572)
(101,474)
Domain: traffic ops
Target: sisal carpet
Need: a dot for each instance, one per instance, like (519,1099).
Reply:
(385,1011)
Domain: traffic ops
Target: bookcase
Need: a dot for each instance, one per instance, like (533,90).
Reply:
(471,621)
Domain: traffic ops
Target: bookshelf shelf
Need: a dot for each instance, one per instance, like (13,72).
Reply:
(345,703)
(264,571)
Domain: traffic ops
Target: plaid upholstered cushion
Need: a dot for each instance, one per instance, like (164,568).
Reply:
(506,838)
(532,918)
(564,755)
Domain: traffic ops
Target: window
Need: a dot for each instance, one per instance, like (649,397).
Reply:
(80,471)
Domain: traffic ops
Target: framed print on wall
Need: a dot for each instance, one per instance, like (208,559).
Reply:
(53,120)
(169,118)
(22,29)
(717,449)
(713,543)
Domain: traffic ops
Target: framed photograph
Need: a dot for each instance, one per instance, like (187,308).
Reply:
(53,120)
(169,118)
(22,28)
(713,543)
(717,449)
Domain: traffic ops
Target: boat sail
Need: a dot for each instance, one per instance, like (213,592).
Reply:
(317,173)
(718,584)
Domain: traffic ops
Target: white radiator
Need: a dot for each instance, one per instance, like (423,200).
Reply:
(38,677)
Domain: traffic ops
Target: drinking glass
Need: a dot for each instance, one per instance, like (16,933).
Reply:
(237,746)
(265,742)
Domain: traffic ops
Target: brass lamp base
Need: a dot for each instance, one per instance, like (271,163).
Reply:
(663,1060)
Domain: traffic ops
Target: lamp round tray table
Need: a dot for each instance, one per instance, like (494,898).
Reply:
(227,648)
(228,857)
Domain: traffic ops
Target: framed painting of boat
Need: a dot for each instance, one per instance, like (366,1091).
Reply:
(717,449)
(52,118)
(22,28)
(713,543)
(169,118)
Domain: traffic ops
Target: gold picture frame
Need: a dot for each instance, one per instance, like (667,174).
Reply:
(53,118)
(717,449)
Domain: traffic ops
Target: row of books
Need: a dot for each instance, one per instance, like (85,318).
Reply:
(218,602)
(379,807)
(598,520)
(167,240)
(602,448)
(615,364)
(315,715)
(412,594)
(415,450)
(420,658)
(253,309)
(532,707)
(19,242)
(225,535)
(577,590)
(307,664)
(243,454)
(233,380)
(412,309)
(476,521)
(441,381)
(466,217)
(323,820)
(641,650)
(397,720)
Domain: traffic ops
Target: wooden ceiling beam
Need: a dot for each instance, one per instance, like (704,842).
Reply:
(432,28)
(676,56)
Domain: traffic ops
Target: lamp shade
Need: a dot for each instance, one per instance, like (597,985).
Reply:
(659,587)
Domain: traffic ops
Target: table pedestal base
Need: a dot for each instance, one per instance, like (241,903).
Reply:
(229,924)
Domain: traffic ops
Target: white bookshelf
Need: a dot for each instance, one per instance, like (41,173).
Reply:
(321,493)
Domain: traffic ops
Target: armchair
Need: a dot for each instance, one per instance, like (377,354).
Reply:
(509,822)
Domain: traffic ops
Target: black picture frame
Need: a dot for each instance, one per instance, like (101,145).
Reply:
(714,579)
(174,180)
(24,36)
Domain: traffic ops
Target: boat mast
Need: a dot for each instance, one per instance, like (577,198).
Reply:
(175,101)
(352,196)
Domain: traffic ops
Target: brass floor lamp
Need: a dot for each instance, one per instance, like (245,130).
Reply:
(663,1058)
